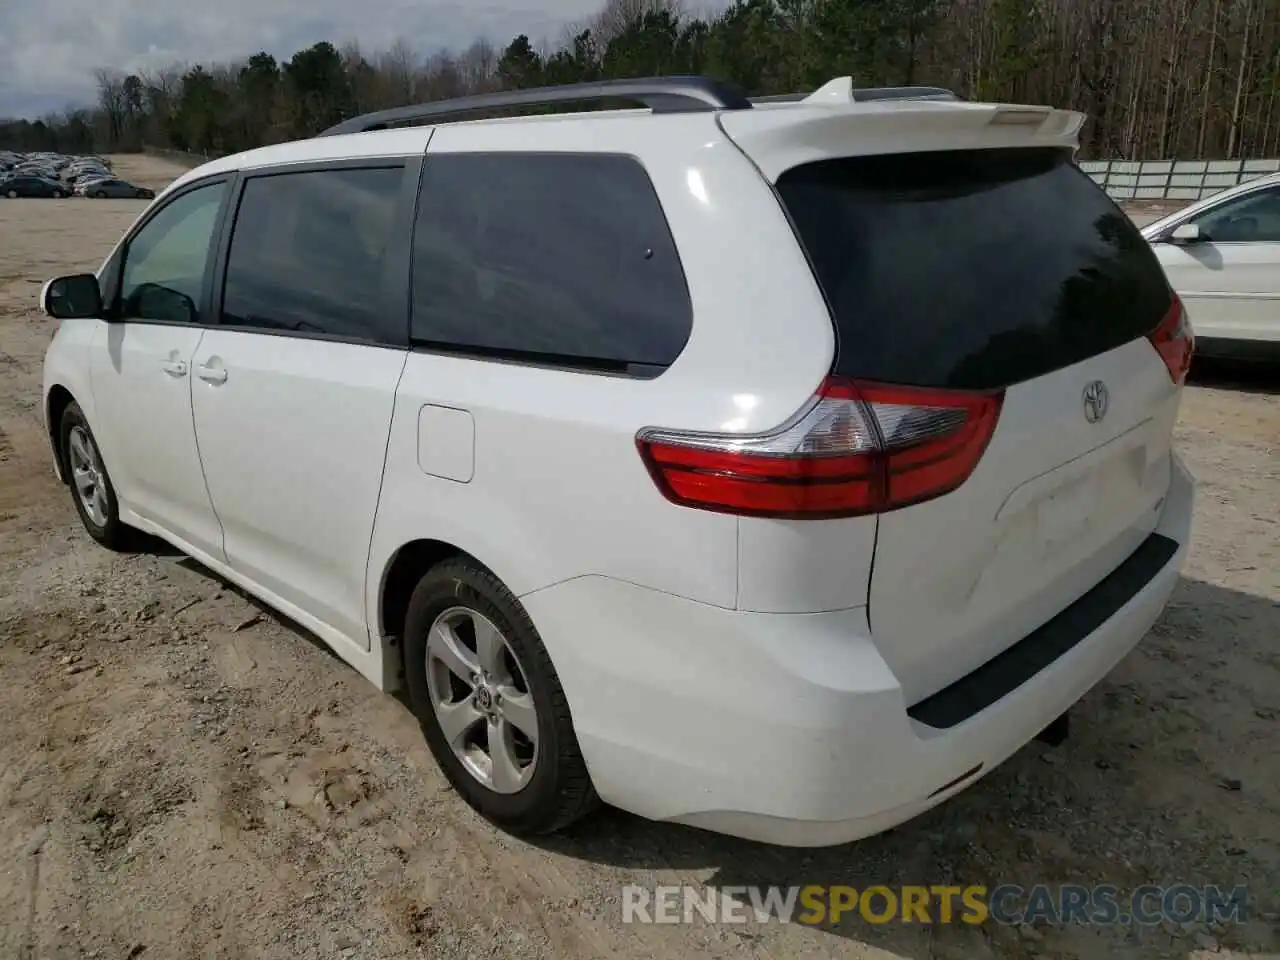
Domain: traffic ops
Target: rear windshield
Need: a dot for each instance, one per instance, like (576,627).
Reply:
(971,269)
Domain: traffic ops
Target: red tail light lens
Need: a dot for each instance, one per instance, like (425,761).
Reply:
(858,448)
(1175,341)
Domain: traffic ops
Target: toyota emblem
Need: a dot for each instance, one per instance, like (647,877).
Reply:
(1095,401)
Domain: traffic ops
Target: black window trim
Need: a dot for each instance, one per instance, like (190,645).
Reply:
(396,290)
(113,275)
(533,358)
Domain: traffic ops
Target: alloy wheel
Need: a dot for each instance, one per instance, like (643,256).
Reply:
(481,700)
(87,475)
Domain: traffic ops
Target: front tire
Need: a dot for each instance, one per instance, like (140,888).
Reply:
(57,194)
(91,489)
(490,704)
(12,194)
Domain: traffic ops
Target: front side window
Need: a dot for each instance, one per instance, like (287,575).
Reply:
(1254,218)
(558,258)
(165,263)
(307,254)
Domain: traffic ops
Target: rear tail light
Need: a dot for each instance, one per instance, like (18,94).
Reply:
(1175,341)
(857,448)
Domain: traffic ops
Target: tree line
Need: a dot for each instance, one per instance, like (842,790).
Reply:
(1183,79)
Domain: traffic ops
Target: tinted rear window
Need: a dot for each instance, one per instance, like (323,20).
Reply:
(971,269)
(555,258)
(307,254)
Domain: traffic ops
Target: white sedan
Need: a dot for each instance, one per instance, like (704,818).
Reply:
(1222,256)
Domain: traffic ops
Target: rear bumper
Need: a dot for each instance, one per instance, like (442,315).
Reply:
(790,728)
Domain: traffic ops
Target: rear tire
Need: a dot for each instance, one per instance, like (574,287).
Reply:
(91,489)
(552,788)
(12,194)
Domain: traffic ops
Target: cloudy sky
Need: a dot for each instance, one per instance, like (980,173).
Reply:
(49,49)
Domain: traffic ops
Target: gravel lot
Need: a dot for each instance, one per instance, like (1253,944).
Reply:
(184,775)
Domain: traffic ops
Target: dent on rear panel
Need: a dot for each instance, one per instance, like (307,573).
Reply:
(446,443)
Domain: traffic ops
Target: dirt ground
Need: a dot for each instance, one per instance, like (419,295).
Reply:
(184,775)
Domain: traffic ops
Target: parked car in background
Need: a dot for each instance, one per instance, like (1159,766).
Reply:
(1222,256)
(82,174)
(25,185)
(81,187)
(35,170)
(117,189)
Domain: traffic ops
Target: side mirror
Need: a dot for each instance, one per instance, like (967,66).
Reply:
(1187,233)
(72,297)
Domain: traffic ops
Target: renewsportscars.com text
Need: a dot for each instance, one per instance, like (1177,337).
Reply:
(974,904)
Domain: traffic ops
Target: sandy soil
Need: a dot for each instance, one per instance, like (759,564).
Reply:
(1143,212)
(185,775)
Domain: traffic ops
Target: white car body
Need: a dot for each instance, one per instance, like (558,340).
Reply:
(1230,282)
(83,185)
(751,675)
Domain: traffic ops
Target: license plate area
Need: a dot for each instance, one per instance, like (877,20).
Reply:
(1067,514)
(1110,495)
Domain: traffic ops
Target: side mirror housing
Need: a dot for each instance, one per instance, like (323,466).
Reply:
(1187,233)
(72,297)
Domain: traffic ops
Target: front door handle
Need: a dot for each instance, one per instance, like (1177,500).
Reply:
(212,374)
(175,368)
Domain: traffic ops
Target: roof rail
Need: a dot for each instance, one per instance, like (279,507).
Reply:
(842,90)
(659,94)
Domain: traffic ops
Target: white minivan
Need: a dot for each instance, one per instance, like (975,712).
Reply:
(778,468)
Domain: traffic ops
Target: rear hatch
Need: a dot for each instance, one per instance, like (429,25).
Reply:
(1003,272)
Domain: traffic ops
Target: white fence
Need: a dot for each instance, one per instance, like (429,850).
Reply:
(1173,179)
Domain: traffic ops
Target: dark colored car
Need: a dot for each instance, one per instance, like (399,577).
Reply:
(40,173)
(118,189)
(25,186)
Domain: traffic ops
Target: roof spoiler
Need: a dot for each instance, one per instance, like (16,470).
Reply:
(842,91)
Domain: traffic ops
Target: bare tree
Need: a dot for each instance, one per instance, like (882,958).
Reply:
(111,103)
(617,15)
(1162,79)
(399,67)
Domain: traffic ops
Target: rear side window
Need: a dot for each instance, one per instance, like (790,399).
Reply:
(971,269)
(559,258)
(307,254)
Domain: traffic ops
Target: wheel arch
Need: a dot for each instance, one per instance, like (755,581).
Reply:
(401,575)
(56,401)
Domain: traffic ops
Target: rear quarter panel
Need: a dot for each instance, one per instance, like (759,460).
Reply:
(559,490)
